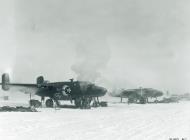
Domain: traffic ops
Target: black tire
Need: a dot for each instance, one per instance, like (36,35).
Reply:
(49,103)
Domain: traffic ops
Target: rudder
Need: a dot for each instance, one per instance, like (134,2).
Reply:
(40,80)
(5,81)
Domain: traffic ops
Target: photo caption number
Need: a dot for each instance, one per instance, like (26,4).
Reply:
(177,138)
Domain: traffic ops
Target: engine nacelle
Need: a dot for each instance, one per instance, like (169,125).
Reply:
(5,81)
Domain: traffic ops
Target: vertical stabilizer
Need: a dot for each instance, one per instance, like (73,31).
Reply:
(40,80)
(5,81)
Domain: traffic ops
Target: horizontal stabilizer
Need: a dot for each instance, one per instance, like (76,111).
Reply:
(23,87)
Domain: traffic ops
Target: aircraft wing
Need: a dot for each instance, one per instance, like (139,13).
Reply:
(138,91)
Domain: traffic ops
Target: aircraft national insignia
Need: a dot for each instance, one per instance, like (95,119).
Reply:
(66,89)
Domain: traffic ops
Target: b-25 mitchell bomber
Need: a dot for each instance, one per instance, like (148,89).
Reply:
(81,92)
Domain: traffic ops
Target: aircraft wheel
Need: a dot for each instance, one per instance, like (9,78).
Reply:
(49,103)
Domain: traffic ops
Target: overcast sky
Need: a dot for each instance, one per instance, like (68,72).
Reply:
(115,43)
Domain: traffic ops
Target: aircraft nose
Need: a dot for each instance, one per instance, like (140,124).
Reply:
(101,91)
(92,89)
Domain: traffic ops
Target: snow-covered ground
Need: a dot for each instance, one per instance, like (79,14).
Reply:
(115,122)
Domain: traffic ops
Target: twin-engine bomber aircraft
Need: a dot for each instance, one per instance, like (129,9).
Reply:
(82,93)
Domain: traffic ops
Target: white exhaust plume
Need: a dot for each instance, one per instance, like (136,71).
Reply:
(92,55)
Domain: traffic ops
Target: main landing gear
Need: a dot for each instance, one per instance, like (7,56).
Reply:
(80,102)
(83,102)
(36,103)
